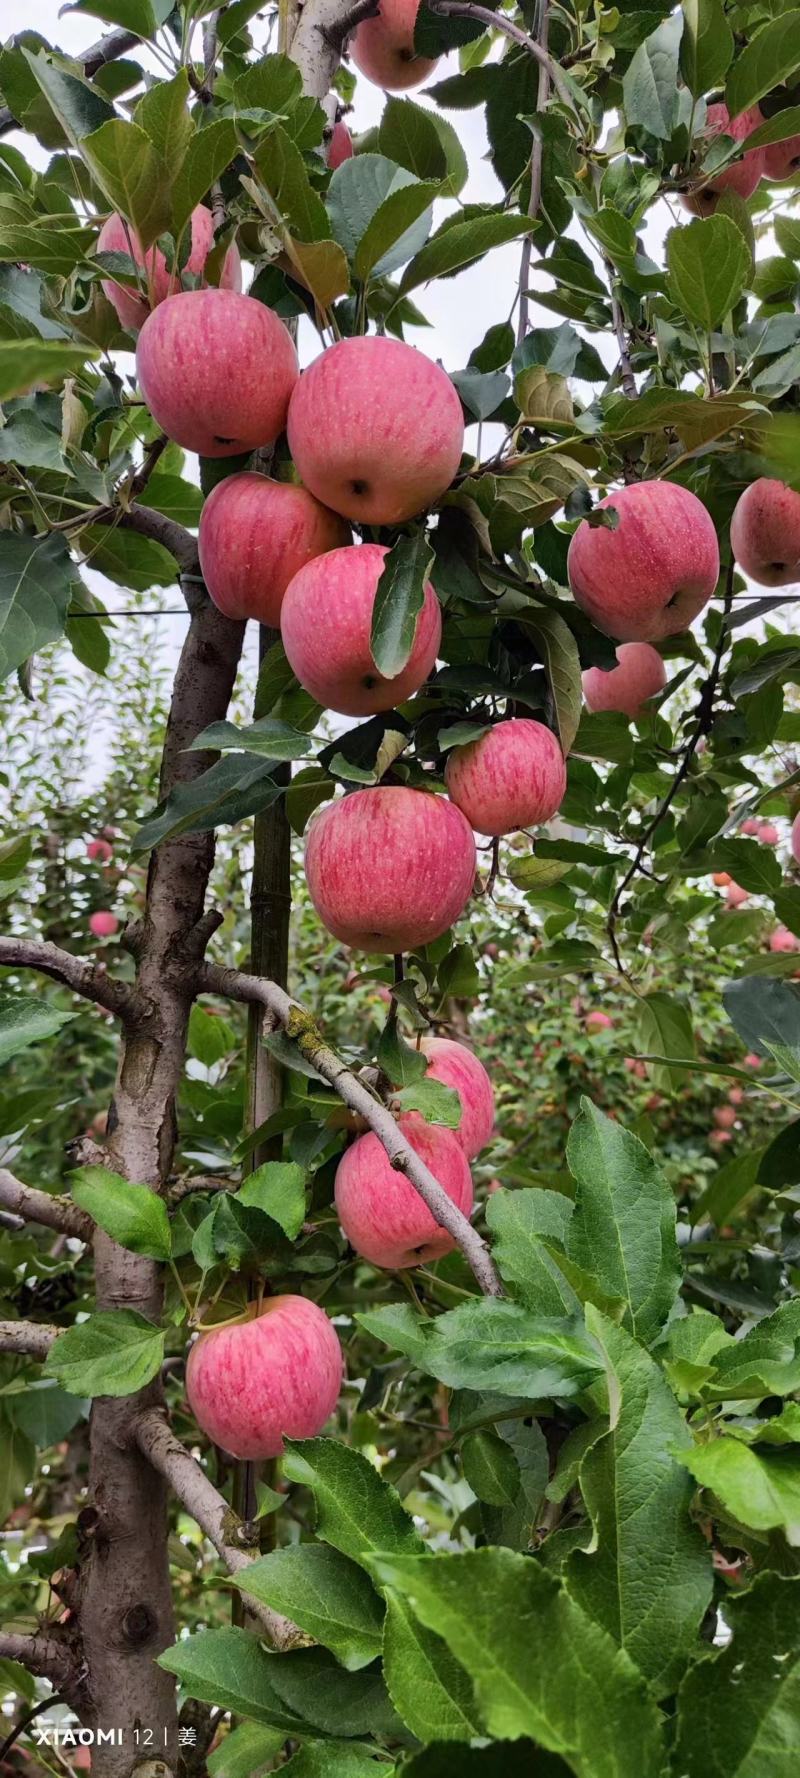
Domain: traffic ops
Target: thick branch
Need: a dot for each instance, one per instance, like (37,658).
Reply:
(107,49)
(317,43)
(299,1026)
(216,1518)
(91,980)
(498,21)
(51,1211)
(337,35)
(40,1654)
(31,1339)
(149,523)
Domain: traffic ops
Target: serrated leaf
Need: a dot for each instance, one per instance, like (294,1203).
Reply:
(623,1228)
(435,1102)
(665,1029)
(357,1511)
(460,243)
(24,1020)
(35,583)
(127,167)
(279,1189)
(706,45)
(115,1352)
(708,262)
(236,786)
(768,60)
(559,651)
(208,154)
(427,1685)
(24,363)
(330,1597)
(650,85)
(399,600)
(758,1489)
(133,1215)
(717,1738)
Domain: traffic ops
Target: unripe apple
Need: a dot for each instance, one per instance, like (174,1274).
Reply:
(768,834)
(782,161)
(597,1021)
(765,532)
(641,674)
(274,1375)
(782,940)
(254,535)
(513,776)
(743,176)
(103,924)
(326,622)
(653,575)
(795,839)
(381,1214)
(724,1116)
(458,1067)
(751,826)
(99,851)
(383,47)
(389,868)
(216,370)
(736,895)
(117,236)
(376,430)
(340,147)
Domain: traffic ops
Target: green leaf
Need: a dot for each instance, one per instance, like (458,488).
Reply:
(210,1037)
(540,1667)
(133,1215)
(765,1362)
(435,1102)
(45,1413)
(559,651)
(24,363)
(115,1352)
(398,601)
(491,1468)
(769,59)
(127,166)
(501,1346)
(17,1464)
(650,85)
(457,975)
(457,244)
(35,580)
(526,1226)
(763,1011)
(665,1029)
(79,107)
(208,154)
(325,1759)
(400,1062)
(761,1490)
(283,172)
(408,136)
(279,1189)
(268,737)
(236,786)
(623,1228)
(719,1737)
(427,1685)
(24,1020)
(753,866)
(248,1749)
(330,1597)
(357,1511)
(141,16)
(708,261)
(164,116)
(647,1578)
(229,1668)
(398,228)
(706,45)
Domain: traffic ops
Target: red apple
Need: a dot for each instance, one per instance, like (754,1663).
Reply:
(513,776)
(724,1116)
(277,1374)
(495,1185)
(751,1060)
(103,924)
(326,621)
(782,940)
(340,147)
(390,868)
(641,674)
(216,370)
(254,536)
(717,1138)
(376,430)
(116,236)
(751,826)
(381,1214)
(99,851)
(744,174)
(765,533)
(383,47)
(795,839)
(722,879)
(458,1067)
(736,1095)
(768,834)
(653,575)
(782,161)
(736,895)
(634,1066)
(597,1021)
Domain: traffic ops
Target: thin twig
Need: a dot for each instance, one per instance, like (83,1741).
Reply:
(90,980)
(542,96)
(336,35)
(108,49)
(626,376)
(232,984)
(498,21)
(53,1212)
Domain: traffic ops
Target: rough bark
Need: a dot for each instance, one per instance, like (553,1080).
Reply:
(52,1211)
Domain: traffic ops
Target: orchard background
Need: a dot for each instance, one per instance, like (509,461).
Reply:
(548,1519)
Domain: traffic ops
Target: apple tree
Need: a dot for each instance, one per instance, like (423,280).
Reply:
(321,1450)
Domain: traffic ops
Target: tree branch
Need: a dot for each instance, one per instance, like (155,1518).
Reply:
(626,375)
(53,1212)
(466,9)
(107,49)
(542,96)
(90,980)
(300,1027)
(336,35)
(31,1339)
(40,1654)
(149,523)
(317,43)
(228,1533)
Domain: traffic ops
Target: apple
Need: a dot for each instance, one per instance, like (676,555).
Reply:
(782,161)
(99,851)
(751,826)
(103,924)
(641,674)
(751,1060)
(458,1067)
(274,1374)
(768,834)
(326,621)
(381,1214)
(717,1138)
(736,895)
(635,1066)
(383,47)
(494,1185)
(765,533)
(722,878)
(116,236)
(795,839)
(254,535)
(724,1116)
(652,576)
(376,430)
(597,1021)
(736,1095)
(513,776)
(744,174)
(389,868)
(782,940)
(340,147)
(216,370)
